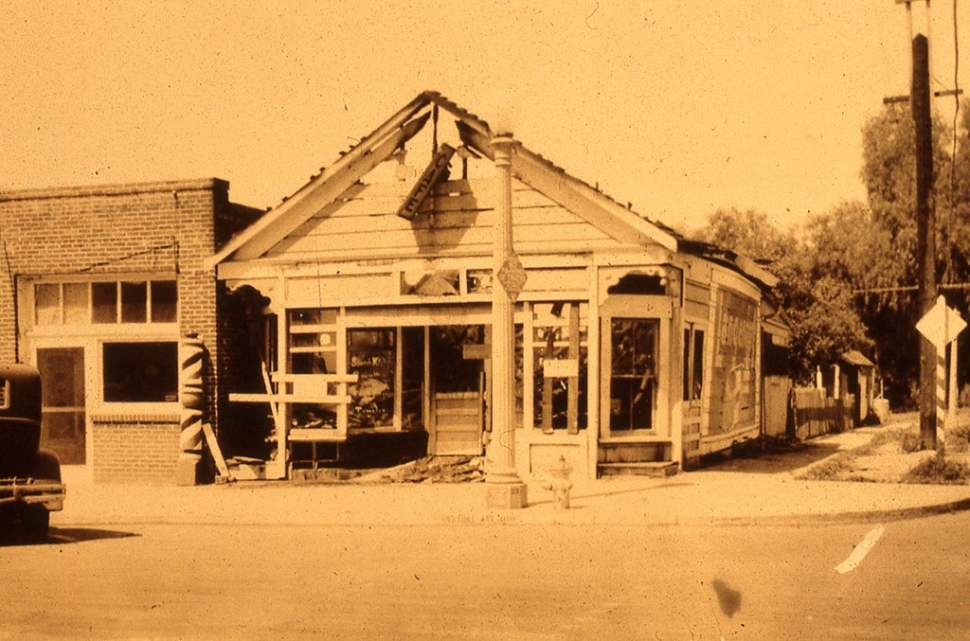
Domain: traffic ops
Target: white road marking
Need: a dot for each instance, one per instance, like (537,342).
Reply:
(860,550)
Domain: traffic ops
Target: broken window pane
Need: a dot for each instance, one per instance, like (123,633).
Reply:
(371,354)
(559,341)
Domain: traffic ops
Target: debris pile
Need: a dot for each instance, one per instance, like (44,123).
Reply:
(432,469)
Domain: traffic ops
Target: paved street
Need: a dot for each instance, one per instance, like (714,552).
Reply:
(489,580)
(746,550)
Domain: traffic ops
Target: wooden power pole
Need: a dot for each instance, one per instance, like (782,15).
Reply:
(925,235)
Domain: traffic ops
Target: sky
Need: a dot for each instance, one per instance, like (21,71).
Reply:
(680,108)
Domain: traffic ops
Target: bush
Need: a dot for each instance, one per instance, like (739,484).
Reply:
(911,442)
(939,470)
(836,468)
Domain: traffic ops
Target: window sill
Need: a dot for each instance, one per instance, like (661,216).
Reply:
(136,415)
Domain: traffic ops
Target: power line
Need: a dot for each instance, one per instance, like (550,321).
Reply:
(907,288)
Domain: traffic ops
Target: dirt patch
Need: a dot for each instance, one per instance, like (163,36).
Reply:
(888,458)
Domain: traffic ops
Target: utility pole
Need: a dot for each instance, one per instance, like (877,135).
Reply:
(925,235)
(920,99)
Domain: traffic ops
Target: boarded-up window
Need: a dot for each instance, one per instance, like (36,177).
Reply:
(560,355)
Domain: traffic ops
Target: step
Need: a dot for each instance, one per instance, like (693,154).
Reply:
(654,469)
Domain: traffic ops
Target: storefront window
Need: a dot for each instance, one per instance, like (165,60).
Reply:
(371,354)
(140,372)
(633,373)
(559,345)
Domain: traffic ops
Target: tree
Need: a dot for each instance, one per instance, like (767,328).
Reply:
(818,279)
(816,272)
(889,174)
(848,276)
(749,233)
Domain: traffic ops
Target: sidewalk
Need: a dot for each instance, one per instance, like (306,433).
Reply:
(754,491)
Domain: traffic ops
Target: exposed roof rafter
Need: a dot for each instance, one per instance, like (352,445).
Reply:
(323,189)
(595,207)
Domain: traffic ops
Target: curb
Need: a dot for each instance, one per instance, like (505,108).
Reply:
(560,518)
(835,518)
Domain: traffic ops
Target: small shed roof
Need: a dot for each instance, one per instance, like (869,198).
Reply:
(857,359)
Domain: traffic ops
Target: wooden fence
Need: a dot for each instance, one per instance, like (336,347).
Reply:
(816,415)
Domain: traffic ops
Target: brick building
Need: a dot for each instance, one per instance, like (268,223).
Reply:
(97,285)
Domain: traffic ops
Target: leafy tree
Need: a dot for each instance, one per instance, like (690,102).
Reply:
(848,276)
(889,174)
(816,271)
(747,232)
(818,278)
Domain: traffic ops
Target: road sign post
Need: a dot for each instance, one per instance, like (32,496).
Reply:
(941,326)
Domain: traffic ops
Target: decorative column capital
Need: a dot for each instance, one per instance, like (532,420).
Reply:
(503,144)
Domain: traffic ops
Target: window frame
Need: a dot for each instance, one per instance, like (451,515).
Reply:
(90,325)
(694,361)
(103,345)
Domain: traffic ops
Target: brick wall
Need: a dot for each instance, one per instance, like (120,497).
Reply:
(141,449)
(165,228)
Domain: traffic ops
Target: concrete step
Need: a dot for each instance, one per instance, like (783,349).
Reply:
(655,469)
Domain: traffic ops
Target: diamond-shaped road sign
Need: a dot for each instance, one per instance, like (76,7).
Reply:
(941,325)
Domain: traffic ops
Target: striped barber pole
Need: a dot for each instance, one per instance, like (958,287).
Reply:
(191,395)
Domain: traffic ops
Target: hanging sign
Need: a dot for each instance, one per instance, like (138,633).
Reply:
(419,193)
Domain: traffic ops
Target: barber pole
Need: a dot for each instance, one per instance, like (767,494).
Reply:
(192,399)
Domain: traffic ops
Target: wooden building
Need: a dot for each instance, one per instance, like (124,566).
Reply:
(852,380)
(635,349)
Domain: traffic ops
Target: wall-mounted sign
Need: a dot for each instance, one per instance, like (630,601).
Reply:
(560,368)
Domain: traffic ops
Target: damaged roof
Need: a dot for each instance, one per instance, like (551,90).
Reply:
(527,166)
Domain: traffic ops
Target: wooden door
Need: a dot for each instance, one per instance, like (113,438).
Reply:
(457,381)
(64,420)
(458,423)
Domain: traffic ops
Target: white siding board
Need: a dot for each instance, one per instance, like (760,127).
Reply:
(365,223)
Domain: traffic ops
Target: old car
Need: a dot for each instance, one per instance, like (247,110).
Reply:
(30,476)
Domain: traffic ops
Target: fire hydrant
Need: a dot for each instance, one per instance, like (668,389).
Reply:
(559,483)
